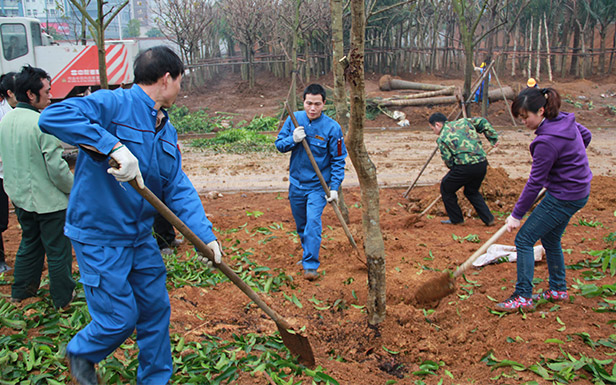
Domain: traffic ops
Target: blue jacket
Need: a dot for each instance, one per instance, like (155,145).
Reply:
(102,211)
(326,142)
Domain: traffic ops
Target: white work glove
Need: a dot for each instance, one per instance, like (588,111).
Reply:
(299,134)
(333,196)
(215,246)
(128,166)
(512,223)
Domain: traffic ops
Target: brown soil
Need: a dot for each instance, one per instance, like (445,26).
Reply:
(461,330)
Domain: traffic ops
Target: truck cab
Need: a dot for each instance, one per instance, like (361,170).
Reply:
(73,68)
(18,38)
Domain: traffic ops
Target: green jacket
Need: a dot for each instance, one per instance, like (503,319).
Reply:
(459,141)
(36,178)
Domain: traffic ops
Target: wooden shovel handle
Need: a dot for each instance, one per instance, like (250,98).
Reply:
(463,267)
(207,252)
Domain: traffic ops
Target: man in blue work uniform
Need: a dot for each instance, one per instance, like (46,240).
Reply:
(110,224)
(306,195)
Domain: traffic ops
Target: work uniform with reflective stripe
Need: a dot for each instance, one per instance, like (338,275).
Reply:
(306,195)
(110,224)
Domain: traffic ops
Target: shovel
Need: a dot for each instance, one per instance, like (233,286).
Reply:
(295,342)
(326,188)
(444,284)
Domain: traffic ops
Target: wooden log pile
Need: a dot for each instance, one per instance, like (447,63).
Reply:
(433,94)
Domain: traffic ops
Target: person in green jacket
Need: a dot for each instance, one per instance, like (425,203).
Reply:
(38,182)
(461,150)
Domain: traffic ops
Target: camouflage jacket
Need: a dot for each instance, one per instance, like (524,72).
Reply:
(459,141)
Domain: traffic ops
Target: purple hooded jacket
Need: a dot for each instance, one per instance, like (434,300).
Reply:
(559,162)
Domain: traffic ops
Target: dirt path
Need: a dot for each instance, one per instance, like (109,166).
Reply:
(398,156)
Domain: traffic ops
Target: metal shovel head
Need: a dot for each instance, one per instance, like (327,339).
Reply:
(297,344)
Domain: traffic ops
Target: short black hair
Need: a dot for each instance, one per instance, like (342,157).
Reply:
(29,79)
(153,63)
(7,83)
(315,89)
(437,117)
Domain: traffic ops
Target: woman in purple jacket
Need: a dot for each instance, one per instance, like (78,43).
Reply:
(561,166)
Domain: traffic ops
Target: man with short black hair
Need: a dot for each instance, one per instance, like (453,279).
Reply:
(306,195)
(38,181)
(461,150)
(110,224)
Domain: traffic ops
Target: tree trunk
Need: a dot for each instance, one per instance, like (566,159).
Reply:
(100,45)
(340,95)
(573,70)
(366,171)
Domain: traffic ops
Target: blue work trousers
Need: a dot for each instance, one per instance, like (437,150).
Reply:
(546,223)
(125,290)
(307,207)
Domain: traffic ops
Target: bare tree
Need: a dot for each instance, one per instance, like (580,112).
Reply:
(97,29)
(250,22)
(366,171)
(184,22)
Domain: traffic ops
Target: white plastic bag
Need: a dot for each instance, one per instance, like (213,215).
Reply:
(504,253)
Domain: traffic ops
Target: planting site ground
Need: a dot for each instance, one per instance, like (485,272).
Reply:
(245,198)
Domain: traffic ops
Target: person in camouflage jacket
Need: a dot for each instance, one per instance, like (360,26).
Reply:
(463,154)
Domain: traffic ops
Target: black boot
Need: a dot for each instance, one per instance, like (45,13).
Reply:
(82,370)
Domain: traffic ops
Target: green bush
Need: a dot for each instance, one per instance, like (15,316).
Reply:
(237,141)
(198,121)
(261,123)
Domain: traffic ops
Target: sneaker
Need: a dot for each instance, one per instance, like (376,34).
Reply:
(491,223)
(82,370)
(4,267)
(166,251)
(552,296)
(311,274)
(515,302)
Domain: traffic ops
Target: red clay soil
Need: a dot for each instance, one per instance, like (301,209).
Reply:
(460,330)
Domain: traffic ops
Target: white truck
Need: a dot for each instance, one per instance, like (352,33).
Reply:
(72,68)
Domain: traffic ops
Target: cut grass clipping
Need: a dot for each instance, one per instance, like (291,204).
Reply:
(237,141)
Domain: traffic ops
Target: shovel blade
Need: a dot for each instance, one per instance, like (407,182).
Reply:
(297,344)
(435,289)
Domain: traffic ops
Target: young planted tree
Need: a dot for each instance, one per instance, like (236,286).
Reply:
(366,171)
(105,16)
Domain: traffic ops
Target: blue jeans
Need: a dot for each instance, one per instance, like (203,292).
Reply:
(546,223)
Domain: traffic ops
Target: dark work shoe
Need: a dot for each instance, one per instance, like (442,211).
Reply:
(82,370)
(449,222)
(491,223)
(311,274)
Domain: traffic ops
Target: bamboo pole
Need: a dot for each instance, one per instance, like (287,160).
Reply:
(547,47)
(538,71)
(505,99)
(530,48)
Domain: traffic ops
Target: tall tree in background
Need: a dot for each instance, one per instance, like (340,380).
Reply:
(366,171)
(97,30)
(184,22)
(604,13)
(250,22)
(469,14)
